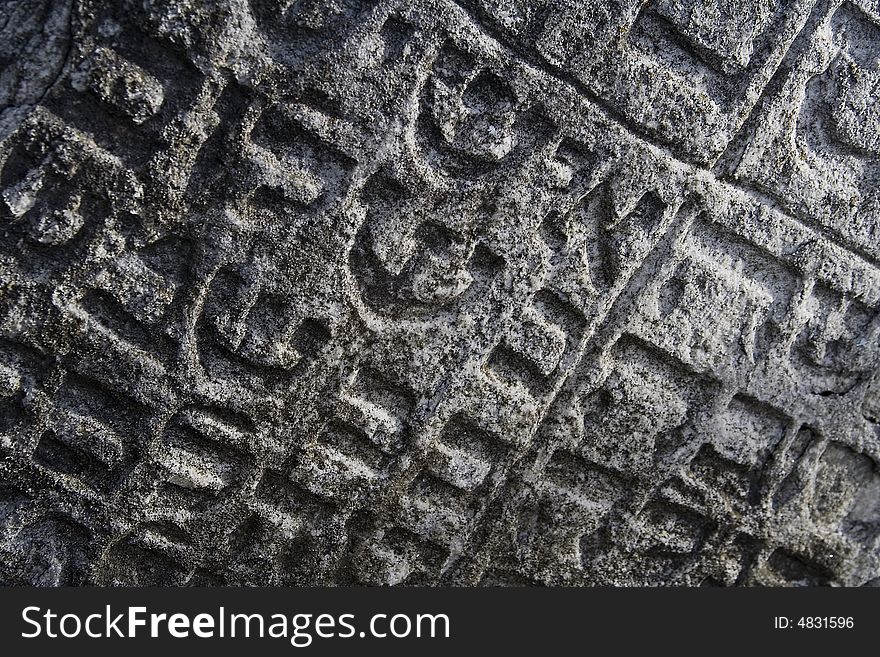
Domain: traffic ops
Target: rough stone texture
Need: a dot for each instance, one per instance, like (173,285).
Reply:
(438,292)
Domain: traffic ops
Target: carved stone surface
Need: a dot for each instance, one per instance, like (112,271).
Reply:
(440,292)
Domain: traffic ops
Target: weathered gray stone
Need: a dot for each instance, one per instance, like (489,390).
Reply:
(437,292)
